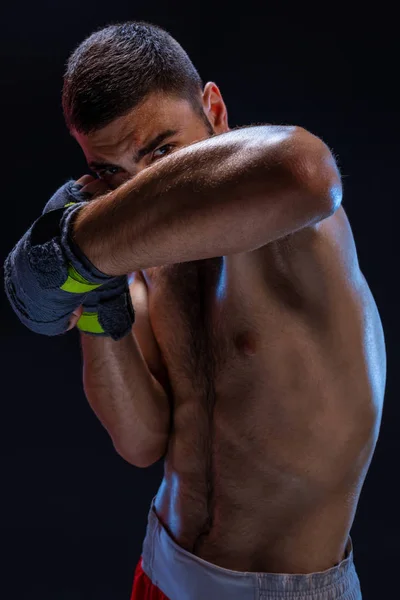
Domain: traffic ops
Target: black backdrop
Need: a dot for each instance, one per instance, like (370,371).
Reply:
(72,512)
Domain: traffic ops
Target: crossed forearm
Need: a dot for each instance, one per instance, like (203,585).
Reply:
(228,194)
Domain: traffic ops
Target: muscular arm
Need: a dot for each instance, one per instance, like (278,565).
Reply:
(127,399)
(231,193)
(127,386)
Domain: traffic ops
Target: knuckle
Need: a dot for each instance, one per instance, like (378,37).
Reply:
(85,179)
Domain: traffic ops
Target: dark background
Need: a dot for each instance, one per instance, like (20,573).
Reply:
(73,513)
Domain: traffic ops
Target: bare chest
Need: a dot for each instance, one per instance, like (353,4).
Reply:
(248,368)
(259,410)
(200,332)
(270,342)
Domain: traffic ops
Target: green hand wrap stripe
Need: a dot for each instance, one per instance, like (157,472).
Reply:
(89,323)
(76,284)
(107,307)
(108,311)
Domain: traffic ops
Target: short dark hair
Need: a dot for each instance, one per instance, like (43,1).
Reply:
(116,67)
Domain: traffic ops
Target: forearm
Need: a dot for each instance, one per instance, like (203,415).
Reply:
(126,398)
(228,194)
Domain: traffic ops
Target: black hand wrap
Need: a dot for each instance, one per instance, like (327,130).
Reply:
(108,311)
(47,276)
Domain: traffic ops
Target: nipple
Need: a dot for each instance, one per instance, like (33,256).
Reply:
(245,343)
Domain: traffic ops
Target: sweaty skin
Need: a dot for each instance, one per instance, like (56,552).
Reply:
(275,370)
(277,405)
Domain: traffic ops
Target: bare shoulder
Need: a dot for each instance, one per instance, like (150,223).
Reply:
(320,262)
(315,274)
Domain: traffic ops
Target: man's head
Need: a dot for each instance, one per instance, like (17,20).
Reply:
(131,95)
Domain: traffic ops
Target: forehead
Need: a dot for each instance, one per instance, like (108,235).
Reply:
(158,111)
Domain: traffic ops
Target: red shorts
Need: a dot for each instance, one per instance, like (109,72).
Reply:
(143,588)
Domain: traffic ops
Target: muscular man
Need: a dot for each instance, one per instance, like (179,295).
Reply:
(256,364)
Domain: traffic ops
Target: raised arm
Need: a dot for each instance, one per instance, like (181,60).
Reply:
(231,193)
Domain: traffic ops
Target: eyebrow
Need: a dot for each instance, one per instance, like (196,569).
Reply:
(151,145)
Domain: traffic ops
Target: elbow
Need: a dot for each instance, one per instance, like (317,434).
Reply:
(316,172)
(328,183)
(326,196)
(140,458)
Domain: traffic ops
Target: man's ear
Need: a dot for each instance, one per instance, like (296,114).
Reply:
(214,107)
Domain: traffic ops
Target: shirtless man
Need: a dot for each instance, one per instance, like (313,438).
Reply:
(256,367)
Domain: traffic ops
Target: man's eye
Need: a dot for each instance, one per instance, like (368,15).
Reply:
(163,150)
(107,172)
